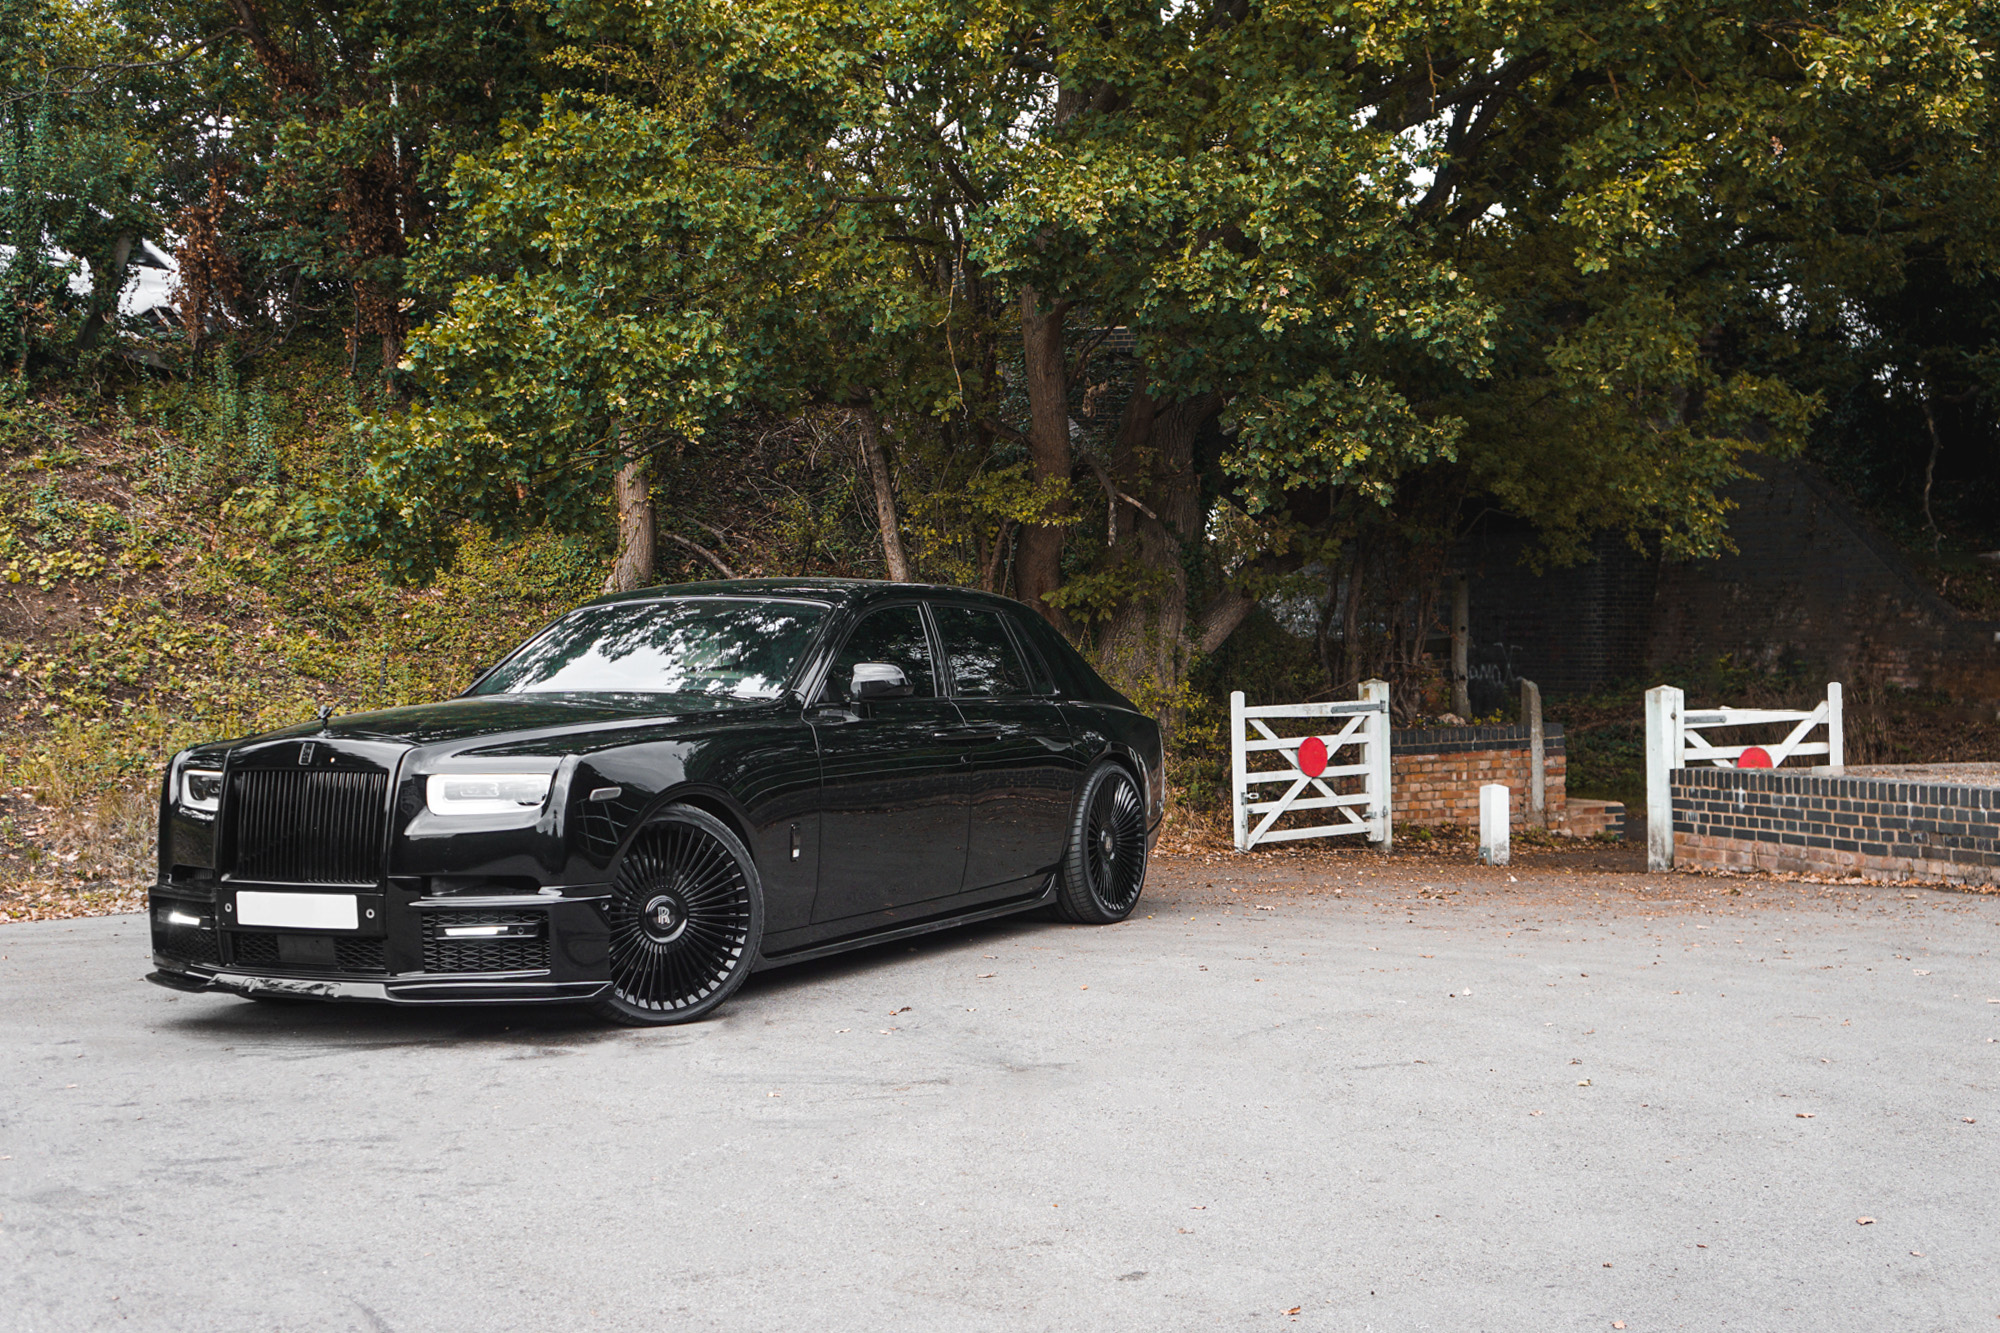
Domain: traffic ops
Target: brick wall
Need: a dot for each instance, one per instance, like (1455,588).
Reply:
(1750,819)
(1436,774)
(1811,584)
(1571,629)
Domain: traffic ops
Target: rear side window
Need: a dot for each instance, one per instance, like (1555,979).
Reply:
(984,663)
(1074,676)
(1038,671)
(894,635)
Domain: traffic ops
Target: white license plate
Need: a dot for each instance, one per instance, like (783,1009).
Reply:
(301,911)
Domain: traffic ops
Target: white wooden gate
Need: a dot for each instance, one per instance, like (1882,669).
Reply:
(1674,740)
(1360,726)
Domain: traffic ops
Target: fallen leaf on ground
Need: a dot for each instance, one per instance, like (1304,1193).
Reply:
(1864,1221)
(1805,1115)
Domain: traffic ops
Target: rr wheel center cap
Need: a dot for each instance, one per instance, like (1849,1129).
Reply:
(664,918)
(1108,844)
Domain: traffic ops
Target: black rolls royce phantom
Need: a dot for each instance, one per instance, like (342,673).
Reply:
(658,794)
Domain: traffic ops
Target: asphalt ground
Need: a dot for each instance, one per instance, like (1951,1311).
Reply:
(1296,1090)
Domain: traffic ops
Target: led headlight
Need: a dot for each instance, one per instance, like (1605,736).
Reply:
(485,793)
(201,789)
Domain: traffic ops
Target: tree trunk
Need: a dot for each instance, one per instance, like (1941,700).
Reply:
(634,567)
(110,275)
(1038,560)
(893,559)
(1146,645)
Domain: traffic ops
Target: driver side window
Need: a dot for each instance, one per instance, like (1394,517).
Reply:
(894,635)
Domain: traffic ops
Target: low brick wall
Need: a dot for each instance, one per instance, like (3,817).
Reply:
(1589,819)
(1887,828)
(1436,773)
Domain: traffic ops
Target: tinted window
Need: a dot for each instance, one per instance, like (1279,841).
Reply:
(1037,670)
(983,661)
(738,649)
(894,635)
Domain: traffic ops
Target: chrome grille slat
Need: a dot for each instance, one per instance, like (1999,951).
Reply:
(308,827)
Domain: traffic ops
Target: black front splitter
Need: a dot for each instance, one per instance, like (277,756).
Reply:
(403,990)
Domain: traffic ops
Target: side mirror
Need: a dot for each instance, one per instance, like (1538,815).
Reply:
(878,680)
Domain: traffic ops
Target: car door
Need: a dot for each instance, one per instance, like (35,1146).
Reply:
(892,789)
(1021,768)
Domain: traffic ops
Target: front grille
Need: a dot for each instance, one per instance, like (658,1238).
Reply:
(309,827)
(192,943)
(256,950)
(446,953)
(350,953)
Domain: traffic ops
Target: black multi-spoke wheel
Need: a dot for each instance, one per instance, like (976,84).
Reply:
(1104,870)
(686,916)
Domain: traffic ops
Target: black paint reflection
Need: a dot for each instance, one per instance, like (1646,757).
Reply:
(713,646)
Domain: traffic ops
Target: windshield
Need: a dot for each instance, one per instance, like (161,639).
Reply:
(715,646)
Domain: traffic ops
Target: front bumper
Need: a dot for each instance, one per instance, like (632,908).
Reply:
(444,949)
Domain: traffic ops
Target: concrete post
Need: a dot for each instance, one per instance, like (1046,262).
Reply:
(1461,637)
(1380,733)
(1239,772)
(1836,744)
(1538,789)
(1664,754)
(1495,819)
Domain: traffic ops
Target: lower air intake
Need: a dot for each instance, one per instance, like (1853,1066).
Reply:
(524,949)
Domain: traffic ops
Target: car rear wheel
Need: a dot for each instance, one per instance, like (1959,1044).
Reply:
(686,917)
(1104,870)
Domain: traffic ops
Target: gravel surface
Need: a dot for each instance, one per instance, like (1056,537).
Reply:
(1308,1089)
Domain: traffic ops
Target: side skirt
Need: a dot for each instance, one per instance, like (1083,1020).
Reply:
(1041,898)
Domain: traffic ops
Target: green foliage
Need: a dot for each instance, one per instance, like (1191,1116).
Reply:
(208,610)
(76,170)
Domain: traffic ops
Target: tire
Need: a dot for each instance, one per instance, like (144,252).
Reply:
(686,916)
(1104,870)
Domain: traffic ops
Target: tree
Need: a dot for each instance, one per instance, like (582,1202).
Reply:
(79,173)
(1371,260)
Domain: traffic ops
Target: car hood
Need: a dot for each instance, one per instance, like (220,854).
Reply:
(476,717)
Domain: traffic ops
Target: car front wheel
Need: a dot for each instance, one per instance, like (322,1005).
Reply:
(686,917)
(1104,870)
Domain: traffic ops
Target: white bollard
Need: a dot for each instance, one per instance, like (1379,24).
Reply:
(1495,847)
(1666,750)
(1382,815)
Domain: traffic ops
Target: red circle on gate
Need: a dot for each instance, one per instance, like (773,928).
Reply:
(1754,757)
(1312,757)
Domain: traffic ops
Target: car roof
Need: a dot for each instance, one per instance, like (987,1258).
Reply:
(841,592)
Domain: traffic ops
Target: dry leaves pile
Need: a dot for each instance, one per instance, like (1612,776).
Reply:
(68,862)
